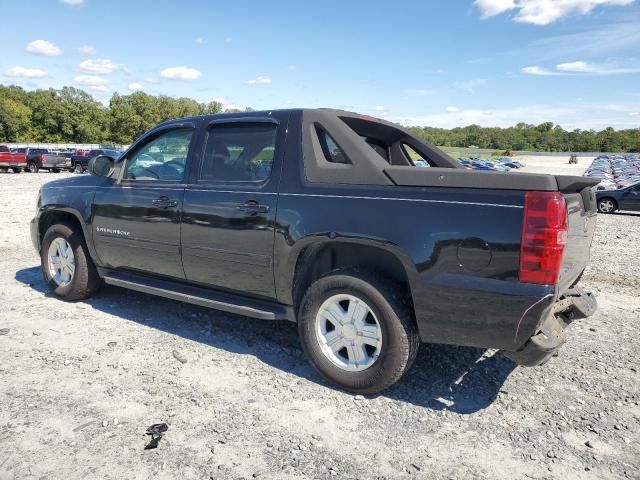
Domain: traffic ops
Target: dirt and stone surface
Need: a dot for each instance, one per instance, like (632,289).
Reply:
(81,382)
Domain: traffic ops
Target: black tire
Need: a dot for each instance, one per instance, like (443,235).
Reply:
(33,167)
(16,170)
(78,168)
(392,308)
(601,207)
(55,170)
(86,280)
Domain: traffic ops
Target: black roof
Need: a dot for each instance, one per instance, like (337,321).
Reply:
(264,113)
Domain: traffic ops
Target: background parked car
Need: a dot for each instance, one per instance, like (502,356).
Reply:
(80,163)
(13,160)
(627,198)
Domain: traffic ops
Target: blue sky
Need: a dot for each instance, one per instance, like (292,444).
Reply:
(438,63)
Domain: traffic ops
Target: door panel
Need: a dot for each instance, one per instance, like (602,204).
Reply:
(131,232)
(230,206)
(137,216)
(225,246)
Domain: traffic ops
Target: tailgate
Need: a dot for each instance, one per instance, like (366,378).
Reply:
(582,212)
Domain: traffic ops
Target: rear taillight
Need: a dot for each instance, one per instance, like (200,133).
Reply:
(544,235)
(41,158)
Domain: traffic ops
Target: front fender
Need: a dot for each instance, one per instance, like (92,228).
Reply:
(69,197)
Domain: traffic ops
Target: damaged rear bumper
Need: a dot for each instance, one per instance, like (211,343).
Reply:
(551,334)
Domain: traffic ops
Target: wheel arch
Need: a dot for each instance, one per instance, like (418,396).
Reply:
(318,257)
(65,215)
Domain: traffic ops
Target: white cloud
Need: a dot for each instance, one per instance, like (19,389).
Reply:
(87,50)
(181,73)
(489,8)
(43,47)
(259,81)
(200,40)
(569,116)
(73,3)
(134,86)
(380,108)
(583,68)
(25,72)
(90,80)
(471,85)
(228,104)
(292,67)
(542,12)
(100,66)
(596,69)
(536,70)
(452,109)
(150,80)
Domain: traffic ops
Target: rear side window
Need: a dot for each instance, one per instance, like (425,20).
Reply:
(331,150)
(414,157)
(239,153)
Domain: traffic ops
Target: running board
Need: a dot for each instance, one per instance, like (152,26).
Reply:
(227,302)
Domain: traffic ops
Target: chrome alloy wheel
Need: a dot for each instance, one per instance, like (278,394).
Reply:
(348,332)
(606,206)
(62,264)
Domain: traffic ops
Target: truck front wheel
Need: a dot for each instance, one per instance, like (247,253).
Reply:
(358,330)
(66,265)
(33,167)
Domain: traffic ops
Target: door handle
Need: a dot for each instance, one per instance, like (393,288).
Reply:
(164,202)
(252,207)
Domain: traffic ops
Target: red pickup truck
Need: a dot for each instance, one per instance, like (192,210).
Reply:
(16,161)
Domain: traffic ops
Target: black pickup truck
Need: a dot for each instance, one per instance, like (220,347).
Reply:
(321,217)
(80,163)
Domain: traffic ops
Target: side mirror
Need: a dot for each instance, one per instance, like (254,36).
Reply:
(101,166)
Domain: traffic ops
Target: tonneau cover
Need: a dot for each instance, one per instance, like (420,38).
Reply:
(459,178)
(568,183)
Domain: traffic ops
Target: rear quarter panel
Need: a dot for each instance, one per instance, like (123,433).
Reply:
(460,249)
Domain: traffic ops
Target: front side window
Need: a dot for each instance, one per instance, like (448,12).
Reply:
(162,159)
(239,153)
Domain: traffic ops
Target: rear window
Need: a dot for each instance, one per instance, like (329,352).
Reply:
(389,142)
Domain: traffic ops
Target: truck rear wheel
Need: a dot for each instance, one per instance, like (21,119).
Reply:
(33,167)
(66,265)
(358,330)
(78,168)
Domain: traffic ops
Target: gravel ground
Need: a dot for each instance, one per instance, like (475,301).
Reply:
(80,383)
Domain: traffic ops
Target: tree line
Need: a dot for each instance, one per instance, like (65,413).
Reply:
(71,115)
(545,137)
